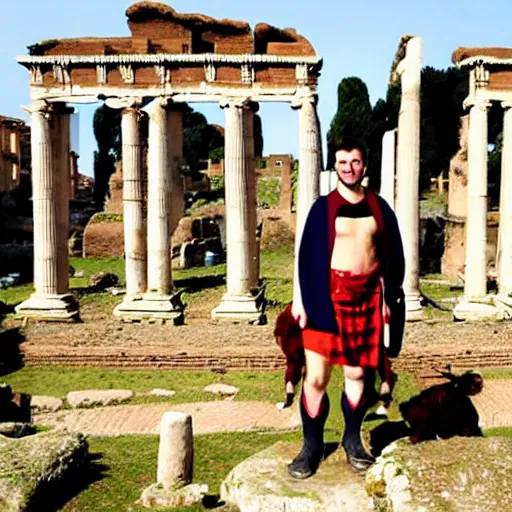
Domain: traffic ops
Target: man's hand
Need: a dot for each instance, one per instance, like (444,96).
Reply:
(299,314)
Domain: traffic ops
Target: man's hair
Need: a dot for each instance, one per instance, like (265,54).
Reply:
(350,143)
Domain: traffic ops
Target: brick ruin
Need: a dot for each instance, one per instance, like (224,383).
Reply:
(169,59)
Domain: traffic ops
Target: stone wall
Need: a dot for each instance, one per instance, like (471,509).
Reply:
(104,236)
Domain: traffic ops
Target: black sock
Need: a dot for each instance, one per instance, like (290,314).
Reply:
(354,417)
(313,428)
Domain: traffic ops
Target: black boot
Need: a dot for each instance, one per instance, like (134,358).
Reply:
(307,461)
(357,456)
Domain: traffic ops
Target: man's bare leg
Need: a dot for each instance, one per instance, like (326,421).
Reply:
(354,407)
(314,409)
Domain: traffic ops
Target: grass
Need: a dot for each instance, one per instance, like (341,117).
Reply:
(202,284)
(130,465)
(264,386)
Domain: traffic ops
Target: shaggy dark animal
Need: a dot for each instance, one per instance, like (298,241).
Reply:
(444,410)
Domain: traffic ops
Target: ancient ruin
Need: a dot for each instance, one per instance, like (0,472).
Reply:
(169,59)
(490,79)
(11,131)
(401,165)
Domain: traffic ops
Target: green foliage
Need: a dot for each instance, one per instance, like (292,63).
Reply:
(295,180)
(216,155)
(106,217)
(107,131)
(353,117)
(217,182)
(40,48)
(261,163)
(268,192)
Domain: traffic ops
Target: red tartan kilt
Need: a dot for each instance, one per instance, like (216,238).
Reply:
(357,301)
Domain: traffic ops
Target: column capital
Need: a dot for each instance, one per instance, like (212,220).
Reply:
(123,102)
(303,97)
(240,102)
(480,104)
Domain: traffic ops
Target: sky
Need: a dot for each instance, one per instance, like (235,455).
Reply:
(357,38)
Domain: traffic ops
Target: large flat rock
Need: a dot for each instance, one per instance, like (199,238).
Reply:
(462,473)
(31,468)
(261,482)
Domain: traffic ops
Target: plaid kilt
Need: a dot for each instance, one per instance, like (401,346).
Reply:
(288,336)
(357,301)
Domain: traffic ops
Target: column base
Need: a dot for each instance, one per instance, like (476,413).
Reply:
(241,308)
(55,308)
(414,311)
(152,306)
(476,309)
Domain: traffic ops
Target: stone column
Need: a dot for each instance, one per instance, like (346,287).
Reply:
(175,159)
(387,173)
(160,300)
(176,450)
(505,228)
(310,166)
(133,209)
(252,219)
(473,305)
(476,225)
(237,303)
(49,138)
(408,168)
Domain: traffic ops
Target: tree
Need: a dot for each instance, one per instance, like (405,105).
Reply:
(107,131)
(353,116)
(258,137)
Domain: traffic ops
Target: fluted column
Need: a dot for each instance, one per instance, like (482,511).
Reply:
(237,219)
(238,302)
(387,174)
(159,236)
(50,169)
(175,160)
(408,168)
(61,149)
(133,205)
(505,228)
(476,224)
(252,219)
(310,166)
(44,185)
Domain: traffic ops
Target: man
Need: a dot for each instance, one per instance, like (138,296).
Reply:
(350,271)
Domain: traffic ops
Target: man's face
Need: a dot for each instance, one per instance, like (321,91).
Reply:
(349,167)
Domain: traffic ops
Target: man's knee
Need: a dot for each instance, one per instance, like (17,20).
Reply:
(318,382)
(353,372)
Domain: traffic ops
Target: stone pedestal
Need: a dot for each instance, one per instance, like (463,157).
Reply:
(175,465)
(408,167)
(237,304)
(50,185)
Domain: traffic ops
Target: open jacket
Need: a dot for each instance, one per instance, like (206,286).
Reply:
(315,253)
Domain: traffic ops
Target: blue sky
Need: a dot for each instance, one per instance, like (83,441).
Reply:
(354,38)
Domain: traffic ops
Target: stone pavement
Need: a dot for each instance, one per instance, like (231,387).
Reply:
(494,403)
(207,417)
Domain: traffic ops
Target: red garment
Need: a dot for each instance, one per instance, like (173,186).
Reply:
(357,300)
(289,337)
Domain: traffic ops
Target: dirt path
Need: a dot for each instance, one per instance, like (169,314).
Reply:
(207,417)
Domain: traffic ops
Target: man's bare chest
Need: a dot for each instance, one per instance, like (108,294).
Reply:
(356,228)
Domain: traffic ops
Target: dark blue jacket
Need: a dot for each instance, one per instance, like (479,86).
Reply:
(314,268)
